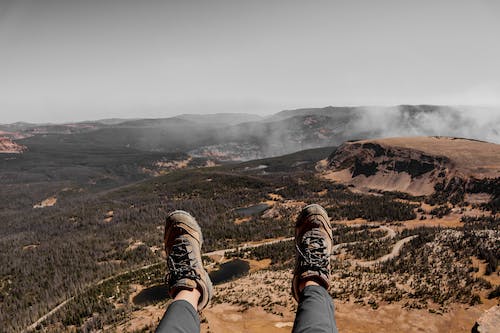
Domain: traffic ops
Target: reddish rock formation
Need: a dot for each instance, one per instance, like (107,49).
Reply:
(8,146)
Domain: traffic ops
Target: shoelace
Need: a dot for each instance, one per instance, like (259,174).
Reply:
(179,263)
(315,255)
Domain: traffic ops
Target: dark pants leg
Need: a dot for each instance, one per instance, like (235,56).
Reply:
(315,313)
(180,317)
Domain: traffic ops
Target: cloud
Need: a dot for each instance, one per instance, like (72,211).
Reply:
(481,123)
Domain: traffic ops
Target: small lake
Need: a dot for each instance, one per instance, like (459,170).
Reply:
(151,295)
(226,272)
(230,270)
(252,210)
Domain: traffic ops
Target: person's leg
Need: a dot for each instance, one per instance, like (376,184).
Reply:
(311,279)
(315,312)
(181,316)
(188,282)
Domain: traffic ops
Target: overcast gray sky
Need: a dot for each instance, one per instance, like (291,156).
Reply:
(65,60)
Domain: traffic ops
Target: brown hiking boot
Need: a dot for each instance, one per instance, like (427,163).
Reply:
(313,243)
(183,241)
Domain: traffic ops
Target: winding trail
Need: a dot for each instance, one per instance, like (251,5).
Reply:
(40,320)
(246,246)
(33,326)
(390,234)
(394,253)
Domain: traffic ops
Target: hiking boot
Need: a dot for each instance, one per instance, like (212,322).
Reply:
(183,241)
(313,243)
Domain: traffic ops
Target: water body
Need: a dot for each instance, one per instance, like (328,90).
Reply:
(252,210)
(230,270)
(226,272)
(151,295)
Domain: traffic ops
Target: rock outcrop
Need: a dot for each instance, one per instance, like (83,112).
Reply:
(7,146)
(439,166)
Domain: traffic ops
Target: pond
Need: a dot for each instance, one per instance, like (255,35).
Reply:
(252,210)
(151,295)
(226,272)
(229,271)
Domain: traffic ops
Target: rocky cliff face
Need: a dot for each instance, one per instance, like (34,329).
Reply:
(369,158)
(10,147)
(446,168)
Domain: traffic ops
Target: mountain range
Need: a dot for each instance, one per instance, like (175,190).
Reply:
(246,136)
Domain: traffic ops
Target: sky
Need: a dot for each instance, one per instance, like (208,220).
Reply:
(69,60)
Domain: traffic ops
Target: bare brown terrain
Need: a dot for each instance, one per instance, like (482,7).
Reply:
(228,317)
(49,202)
(350,318)
(7,146)
(469,157)
(414,164)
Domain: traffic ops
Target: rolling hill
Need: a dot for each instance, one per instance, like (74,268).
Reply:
(420,166)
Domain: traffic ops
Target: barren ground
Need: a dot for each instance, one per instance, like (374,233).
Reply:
(475,157)
(465,158)
(353,318)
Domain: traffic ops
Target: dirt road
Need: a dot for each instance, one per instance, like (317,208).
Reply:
(394,253)
(247,246)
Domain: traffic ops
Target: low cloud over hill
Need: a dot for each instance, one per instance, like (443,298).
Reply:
(244,137)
